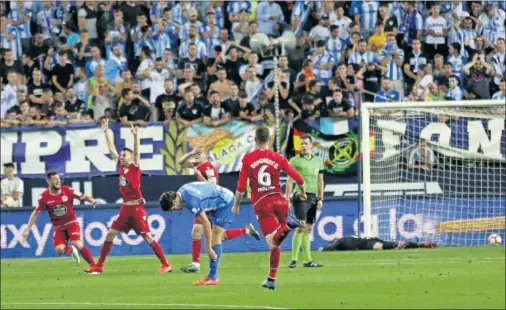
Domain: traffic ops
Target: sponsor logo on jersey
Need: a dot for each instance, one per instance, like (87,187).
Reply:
(123,181)
(60,210)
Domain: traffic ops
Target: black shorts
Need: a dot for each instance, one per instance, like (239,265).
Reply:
(305,210)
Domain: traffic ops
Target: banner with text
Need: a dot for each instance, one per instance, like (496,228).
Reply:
(81,150)
(406,220)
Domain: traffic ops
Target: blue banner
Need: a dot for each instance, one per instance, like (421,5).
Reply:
(462,222)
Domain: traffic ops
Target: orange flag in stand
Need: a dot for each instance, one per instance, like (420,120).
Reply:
(296,140)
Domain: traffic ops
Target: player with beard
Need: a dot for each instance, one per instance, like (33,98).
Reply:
(132,214)
(198,159)
(58,201)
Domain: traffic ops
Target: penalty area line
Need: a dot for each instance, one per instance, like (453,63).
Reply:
(137,305)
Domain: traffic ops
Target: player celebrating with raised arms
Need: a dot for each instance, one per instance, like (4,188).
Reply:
(206,171)
(211,204)
(311,169)
(132,214)
(263,168)
(58,201)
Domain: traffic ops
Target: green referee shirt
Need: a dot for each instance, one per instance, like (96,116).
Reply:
(310,170)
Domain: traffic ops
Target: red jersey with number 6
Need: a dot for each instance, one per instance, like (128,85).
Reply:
(263,169)
(209,172)
(60,206)
(130,182)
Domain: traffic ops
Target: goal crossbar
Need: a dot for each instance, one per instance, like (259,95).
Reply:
(432,104)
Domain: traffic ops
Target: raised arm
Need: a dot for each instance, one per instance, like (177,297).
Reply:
(108,139)
(184,160)
(137,156)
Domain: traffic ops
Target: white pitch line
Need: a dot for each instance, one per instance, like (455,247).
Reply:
(137,305)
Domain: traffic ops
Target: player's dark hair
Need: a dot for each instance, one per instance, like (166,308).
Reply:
(126,149)
(262,134)
(50,174)
(307,137)
(167,200)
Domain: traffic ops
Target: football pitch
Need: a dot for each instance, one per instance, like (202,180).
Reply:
(421,278)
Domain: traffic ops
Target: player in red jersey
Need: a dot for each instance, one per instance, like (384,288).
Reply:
(132,214)
(198,159)
(263,167)
(58,201)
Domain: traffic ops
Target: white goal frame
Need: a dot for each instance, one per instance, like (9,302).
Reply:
(365,109)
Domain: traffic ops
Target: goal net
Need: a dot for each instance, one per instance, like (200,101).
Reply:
(436,171)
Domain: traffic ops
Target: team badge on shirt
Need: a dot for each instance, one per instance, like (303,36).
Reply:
(123,181)
(64,198)
(60,210)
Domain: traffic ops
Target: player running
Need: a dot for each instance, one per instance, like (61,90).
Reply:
(58,201)
(132,214)
(311,169)
(263,167)
(353,244)
(206,171)
(212,205)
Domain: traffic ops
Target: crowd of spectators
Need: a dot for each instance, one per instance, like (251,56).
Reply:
(65,62)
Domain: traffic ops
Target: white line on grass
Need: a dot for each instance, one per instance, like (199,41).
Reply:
(136,305)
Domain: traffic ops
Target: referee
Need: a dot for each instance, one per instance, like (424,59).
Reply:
(311,169)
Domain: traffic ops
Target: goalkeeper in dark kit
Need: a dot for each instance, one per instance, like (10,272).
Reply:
(353,244)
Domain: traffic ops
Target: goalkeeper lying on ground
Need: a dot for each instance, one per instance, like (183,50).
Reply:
(352,243)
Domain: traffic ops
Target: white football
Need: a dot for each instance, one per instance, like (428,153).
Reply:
(8,201)
(494,239)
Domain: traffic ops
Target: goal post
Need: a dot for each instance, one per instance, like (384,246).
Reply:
(434,171)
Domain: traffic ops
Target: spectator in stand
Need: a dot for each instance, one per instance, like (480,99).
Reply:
(28,66)
(192,22)
(222,85)
(9,64)
(134,110)
(498,60)
(415,60)
(371,75)
(60,116)
(80,84)
(413,25)
(433,92)
(321,31)
(308,109)
(102,101)
(501,94)
(454,92)
(126,81)
(252,30)
(163,100)
(9,37)
(435,32)
(341,21)
(189,113)
(158,75)
(240,24)
(63,74)
(265,111)
(144,70)
(323,62)
(83,48)
(387,94)
(87,19)
(233,64)
(252,62)
(457,60)
(115,65)
(362,55)
(73,105)
(9,93)
(135,31)
(422,157)
(378,40)
(95,60)
(36,117)
(339,107)
(215,61)
(252,83)
(199,97)
(302,79)
(193,39)
(11,188)
(269,13)
(92,85)
(193,62)
(245,111)
(24,112)
(214,114)
(232,102)
(478,73)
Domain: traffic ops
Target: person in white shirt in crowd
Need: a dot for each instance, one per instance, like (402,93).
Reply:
(144,71)
(9,38)
(252,83)
(343,22)
(9,94)
(269,14)
(435,32)
(501,94)
(157,76)
(454,91)
(321,31)
(252,62)
(498,60)
(492,21)
(12,188)
(96,59)
(422,156)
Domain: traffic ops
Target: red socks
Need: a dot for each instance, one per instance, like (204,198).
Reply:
(196,246)
(159,253)
(274,263)
(234,233)
(281,234)
(104,251)
(68,250)
(86,254)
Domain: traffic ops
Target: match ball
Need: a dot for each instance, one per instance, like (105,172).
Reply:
(8,201)
(494,239)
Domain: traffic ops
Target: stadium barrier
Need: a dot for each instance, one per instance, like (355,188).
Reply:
(338,218)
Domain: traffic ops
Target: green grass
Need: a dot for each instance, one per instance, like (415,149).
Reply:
(424,278)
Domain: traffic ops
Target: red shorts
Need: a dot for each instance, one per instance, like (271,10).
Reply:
(272,206)
(64,233)
(196,221)
(132,217)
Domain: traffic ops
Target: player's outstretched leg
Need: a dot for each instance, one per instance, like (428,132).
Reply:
(166,267)
(296,244)
(197,231)
(212,277)
(248,230)
(98,268)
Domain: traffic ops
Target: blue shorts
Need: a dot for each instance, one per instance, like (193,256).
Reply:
(222,217)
